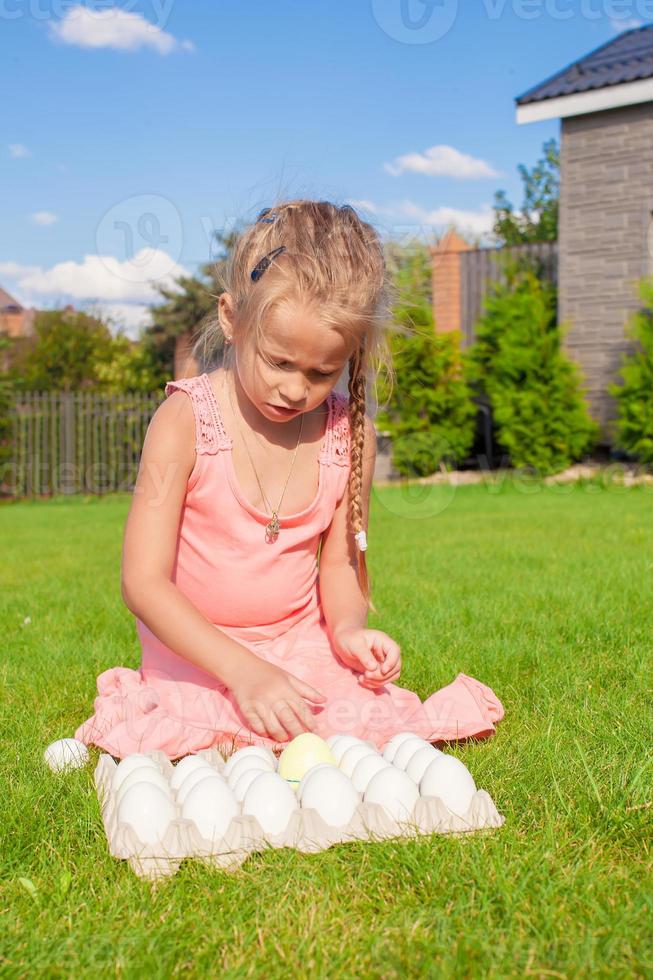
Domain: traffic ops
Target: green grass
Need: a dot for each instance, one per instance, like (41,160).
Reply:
(543,595)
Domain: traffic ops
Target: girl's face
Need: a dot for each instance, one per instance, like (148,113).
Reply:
(298,362)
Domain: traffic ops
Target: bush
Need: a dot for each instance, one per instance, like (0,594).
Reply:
(539,411)
(429,414)
(634,423)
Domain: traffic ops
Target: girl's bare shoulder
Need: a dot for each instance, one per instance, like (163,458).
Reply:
(170,435)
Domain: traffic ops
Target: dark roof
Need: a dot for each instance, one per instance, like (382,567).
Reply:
(627,58)
(6,300)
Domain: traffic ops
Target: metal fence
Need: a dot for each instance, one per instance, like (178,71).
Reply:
(75,442)
(482,266)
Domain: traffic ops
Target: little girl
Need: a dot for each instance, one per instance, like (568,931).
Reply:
(247,472)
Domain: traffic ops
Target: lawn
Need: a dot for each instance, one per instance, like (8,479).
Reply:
(542,593)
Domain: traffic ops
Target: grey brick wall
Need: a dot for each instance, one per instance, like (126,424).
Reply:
(606,203)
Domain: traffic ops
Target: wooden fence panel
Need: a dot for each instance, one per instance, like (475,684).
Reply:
(76,442)
(479,267)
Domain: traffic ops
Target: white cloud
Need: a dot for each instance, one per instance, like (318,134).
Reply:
(17,150)
(132,317)
(441,161)
(477,222)
(113,28)
(13,270)
(123,289)
(362,204)
(104,277)
(44,218)
(629,24)
(405,218)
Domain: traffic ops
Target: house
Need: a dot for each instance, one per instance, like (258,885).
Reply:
(15,320)
(605,237)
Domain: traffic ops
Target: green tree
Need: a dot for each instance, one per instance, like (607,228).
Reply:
(74,350)
(185,307)
(538,408)
(428,413)
(634,424)
(65,352)
(128,366)
(537,220)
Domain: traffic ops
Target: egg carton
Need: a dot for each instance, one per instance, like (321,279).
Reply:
(306,830)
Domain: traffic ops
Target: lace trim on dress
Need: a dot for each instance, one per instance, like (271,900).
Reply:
(210,434)
(337,445)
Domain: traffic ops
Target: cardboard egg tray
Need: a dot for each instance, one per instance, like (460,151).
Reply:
(306,830)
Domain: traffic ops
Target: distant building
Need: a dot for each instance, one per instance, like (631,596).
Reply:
(15,320)
(605,234)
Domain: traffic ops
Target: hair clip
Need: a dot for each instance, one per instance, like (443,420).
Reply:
(263,219)
(361,540)
(263,263)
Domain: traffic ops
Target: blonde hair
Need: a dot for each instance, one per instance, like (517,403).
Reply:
(336,259)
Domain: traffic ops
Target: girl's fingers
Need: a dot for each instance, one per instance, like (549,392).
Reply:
(306,690)
(300,717)
(306,717)
(379,681)
(303,716)
(256,723)
(378,648)
(288,718)
(274,727)
(379,653)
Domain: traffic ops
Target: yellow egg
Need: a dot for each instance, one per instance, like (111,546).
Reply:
(304,751)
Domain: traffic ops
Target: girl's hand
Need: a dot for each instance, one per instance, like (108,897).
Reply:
(370,651)
(273,702)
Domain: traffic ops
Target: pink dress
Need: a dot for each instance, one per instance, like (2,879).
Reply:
(266,595)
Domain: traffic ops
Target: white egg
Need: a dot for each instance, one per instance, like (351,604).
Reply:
(302,782)
(332,794)
(344,742)
(149,811)
(127,765)
(365,768)
(195,777)
(419,762)
(248,762)
(258,750)
(331,739)
(66,753)
(144,774)
(271,800)
(451,780)
(244,782)
(185,766)
(406,751)
(394,743)
(353,755)
(395,791)
(211,805)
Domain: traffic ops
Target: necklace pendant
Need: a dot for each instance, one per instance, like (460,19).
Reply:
(272,529)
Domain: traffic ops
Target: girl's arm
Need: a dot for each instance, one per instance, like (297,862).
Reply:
(149,549)
(342,600)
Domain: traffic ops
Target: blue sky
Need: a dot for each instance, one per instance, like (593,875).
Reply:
(132,129)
